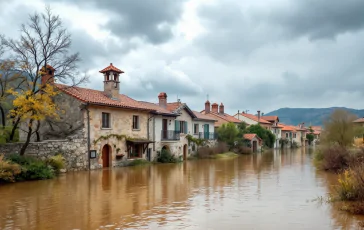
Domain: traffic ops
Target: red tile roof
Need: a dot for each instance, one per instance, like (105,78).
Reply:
(288,128)
(111,68)
(173,105)
(270,118)
(201,116)
(318,128)
(255,118)
(251,136)
(360,120)
(221,118)
(157,108)
(99,98)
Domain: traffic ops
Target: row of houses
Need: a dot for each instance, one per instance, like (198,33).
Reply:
(119,128)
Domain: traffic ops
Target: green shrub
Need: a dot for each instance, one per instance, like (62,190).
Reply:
(165,156)
(138,162)
(5,135)
(57,162)
(333,158)
(32,168)
(8,170)
(38,170)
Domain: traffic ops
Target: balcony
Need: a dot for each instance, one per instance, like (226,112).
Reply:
(170,135)
(207,136)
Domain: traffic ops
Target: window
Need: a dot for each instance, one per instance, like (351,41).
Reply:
(294,135)
(195,128)
(105,120)
(135,122)
(286,135)
(181,126)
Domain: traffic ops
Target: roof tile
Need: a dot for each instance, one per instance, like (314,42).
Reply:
(98,97)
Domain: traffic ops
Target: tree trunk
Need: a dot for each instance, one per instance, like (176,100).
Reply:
(29,135)
(37,132)
(3,123)
(15,125)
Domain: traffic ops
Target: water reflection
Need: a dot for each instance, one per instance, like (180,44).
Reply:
(261,191)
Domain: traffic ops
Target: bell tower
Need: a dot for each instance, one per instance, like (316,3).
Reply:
(111,81)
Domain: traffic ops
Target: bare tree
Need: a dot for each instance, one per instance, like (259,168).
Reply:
(43,42)
(339,128)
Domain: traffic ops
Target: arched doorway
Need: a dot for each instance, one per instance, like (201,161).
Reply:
(185,152)
(255,147)
(165,148)
(106,156)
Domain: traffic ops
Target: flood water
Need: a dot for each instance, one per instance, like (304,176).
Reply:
(272,190)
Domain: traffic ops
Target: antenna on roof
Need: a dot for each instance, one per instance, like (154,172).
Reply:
(207,96)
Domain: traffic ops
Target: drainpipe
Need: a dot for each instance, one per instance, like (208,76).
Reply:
(88,137)
(153,129)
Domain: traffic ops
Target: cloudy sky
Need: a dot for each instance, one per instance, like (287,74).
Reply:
(250,55)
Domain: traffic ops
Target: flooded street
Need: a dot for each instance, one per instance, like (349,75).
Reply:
(273,190)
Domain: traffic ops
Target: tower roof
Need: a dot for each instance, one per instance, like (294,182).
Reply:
(111,68)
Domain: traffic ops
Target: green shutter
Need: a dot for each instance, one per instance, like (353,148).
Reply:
(176,127)
(186,127)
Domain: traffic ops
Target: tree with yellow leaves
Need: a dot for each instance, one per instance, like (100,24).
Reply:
(32,108)
(43,42)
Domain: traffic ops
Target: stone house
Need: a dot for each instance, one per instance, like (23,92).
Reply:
(292,134)
(172,122)
(255,142)
(251,119)
(114,125)
(217,113)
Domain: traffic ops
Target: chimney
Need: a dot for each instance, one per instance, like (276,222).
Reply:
(221,109)
(215,108)
(238,114)
(258,116)
(162,100)
(47,76)
(207,107)
(111,81)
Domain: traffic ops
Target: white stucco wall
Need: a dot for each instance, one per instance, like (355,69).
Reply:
(246,120)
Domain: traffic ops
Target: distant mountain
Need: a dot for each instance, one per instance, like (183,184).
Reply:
(313,116)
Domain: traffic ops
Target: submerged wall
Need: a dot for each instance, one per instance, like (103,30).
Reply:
(74,151)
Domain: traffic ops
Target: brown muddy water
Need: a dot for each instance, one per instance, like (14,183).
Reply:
(272,190)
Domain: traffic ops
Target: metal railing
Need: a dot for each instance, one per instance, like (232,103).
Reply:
(170,135)
(207,136)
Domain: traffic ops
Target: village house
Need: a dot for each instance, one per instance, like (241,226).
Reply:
(217,113)
(114,125)
(172,122)
(255,142)
(251,119)
(359,121)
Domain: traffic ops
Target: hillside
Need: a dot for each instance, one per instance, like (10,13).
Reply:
(313,116)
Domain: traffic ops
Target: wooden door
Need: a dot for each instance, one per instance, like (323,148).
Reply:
(185,152)
(164,128)
(254,146)
(206,131)
(105,156)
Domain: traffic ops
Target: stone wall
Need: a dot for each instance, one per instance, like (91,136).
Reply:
(70,123)
(74,151)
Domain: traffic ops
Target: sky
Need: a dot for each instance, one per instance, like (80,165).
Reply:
(249,55)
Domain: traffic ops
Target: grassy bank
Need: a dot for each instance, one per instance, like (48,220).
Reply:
(22,168)
(349,164)
(226,155)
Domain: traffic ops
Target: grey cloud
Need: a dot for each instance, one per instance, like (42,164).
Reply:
(234,32)
(320,19)
(151,20)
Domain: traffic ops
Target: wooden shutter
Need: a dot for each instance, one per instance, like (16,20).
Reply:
(186,127)
(176,125)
